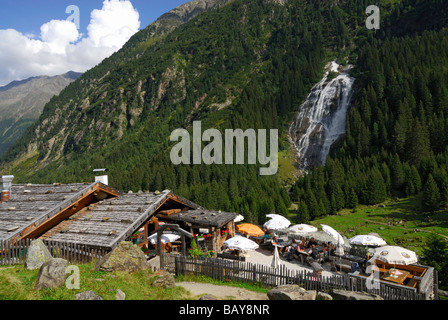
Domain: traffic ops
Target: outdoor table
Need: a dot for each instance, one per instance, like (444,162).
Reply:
(282,246)
(258,240)
(393,277)
(303,255)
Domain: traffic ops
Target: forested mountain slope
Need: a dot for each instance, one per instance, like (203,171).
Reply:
(250,64)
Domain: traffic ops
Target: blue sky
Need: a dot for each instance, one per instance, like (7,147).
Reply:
(27,16)
(36,38)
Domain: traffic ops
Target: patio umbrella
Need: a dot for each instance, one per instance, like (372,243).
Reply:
(368,240)
(277,222)
(166,237)
(395,255)
(239,218)
(276,259)
(333,233)
(240,243)
(279,217)
(302,228)
(250,229)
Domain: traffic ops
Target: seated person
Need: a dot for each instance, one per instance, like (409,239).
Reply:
(267,236)
(312,243)
(331,248)
(274,241)
(301,246)
(326,252)
(291,248)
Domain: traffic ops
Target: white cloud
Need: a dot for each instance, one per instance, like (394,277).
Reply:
(61,48)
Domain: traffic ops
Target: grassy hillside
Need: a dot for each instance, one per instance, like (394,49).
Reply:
(398,223)
(17,283)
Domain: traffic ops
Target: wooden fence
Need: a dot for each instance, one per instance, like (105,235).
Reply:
(227,270)
(11,254)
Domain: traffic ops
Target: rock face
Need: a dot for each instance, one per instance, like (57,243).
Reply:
(162,279)
(126,257)
(88,295)
(37,255)
(354,295)
(52,274)
(291,292)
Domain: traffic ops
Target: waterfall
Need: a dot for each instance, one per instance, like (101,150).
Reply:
(321,118)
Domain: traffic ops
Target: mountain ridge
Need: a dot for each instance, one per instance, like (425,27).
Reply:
(22,102)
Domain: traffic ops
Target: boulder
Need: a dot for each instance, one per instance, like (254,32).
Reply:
(37,255)
(120,295)
(353,295)
(162,279)
(88,295)
(52,274)
(154,263)
(208,297)
(125,257)
(291,292)
(323,296)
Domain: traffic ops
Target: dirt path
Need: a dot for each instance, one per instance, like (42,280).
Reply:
(221,292)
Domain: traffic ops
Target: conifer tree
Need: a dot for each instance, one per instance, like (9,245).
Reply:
(431,195)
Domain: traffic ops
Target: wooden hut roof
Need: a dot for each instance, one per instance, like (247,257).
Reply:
(31,205)
(203,217)
(45,211)
(106,223)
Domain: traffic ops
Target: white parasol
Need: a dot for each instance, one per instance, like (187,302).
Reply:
(240,243)
(339,240)
(302,228)
(277,222)
(368,240)
(395,255)
(239,218)
(166,237)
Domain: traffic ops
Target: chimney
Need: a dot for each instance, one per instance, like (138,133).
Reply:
(104,179)
(6,183)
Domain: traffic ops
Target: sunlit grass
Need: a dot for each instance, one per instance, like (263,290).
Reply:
(399,222)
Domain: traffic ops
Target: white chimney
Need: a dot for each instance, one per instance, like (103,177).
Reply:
(104,179)
(6,183)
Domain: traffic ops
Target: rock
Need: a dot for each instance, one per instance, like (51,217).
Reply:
(162,279)
(291,292)
(208,297)
(37,255)
(120,295)
(354,295)
(125,257)
(154,263)
(88,295)
(52,274)
(323,296)
(442,293)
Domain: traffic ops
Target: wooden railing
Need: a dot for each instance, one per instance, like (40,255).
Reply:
(226,270)
(11,254)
